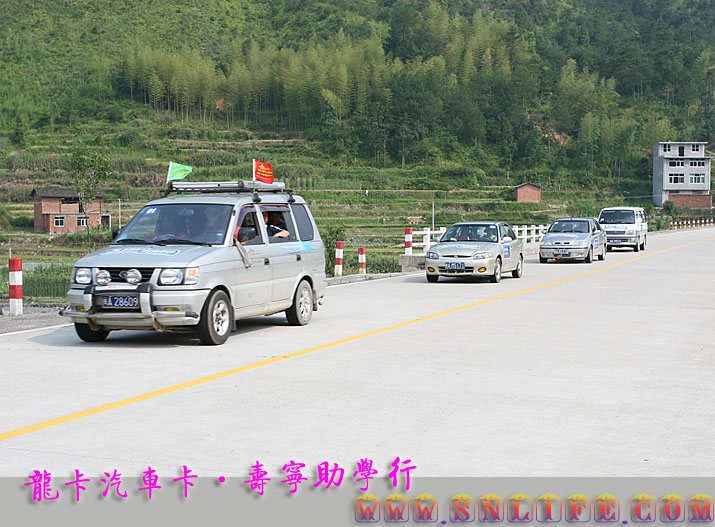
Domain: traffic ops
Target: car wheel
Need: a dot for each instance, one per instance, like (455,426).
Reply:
(216,319)
(638,246)
(543,259)
(300,313)
(602,256)
(89,335)
(496,277)
(516,273)
(432,278)
(589,256)
(643,244)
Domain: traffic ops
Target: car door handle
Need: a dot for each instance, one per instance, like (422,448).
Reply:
(266,261)
(298,257)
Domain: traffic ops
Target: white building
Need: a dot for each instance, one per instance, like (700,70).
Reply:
(681,173)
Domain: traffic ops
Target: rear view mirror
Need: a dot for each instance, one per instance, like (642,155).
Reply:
(246,234)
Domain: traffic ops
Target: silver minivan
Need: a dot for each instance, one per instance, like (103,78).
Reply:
(201,261)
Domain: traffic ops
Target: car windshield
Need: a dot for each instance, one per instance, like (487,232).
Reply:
(617,216)
(471,233)
(580,226)
(178,224)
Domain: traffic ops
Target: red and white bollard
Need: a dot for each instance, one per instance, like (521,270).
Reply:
(671,224)
(362,262)
(338,258)
(408,240)
(15,286)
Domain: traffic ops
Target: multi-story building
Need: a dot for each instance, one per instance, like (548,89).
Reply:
(681,174)
(58,210)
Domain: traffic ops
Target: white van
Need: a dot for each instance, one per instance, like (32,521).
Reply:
(625,227)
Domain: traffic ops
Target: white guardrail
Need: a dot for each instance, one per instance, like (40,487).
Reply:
(429,237)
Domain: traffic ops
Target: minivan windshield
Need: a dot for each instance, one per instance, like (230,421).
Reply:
(178,224)
(617,216)
(580,226)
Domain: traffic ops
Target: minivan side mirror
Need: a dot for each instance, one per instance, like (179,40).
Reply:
(246,234)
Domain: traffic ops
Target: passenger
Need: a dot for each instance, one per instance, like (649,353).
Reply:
(274,231)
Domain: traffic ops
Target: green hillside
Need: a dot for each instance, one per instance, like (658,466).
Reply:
(452,102)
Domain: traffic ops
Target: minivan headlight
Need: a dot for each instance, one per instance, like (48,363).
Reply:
(630,232)
(82,275)
(171,276)
(189,276)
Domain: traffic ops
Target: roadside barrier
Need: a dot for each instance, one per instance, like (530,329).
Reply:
(408,240)
(362,262)
(691,222)
(15,271)
(338,258)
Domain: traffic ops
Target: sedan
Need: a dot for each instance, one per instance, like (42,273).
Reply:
(573,239)
(476,249)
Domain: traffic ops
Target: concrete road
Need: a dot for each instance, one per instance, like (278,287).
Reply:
(573,370)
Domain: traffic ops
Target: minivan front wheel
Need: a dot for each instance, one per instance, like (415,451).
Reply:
(216,319)
(301,311)
(90,335)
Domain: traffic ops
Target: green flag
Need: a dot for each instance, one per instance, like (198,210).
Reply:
(177,171)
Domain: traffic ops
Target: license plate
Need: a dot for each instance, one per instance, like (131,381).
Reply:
(454,265)
(614,241)
(123,301)
(561,251)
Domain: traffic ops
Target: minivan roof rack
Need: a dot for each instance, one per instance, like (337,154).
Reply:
(206,187)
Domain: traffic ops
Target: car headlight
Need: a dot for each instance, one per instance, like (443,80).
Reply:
(171,276)
(481,256)
(103,277)
(583,243)
(189,276)
(630,232)
(432,256)
(82,275)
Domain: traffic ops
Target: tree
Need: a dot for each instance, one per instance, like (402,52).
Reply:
(90,170)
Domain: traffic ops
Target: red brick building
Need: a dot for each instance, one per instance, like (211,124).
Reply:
(528,193)
(57,210)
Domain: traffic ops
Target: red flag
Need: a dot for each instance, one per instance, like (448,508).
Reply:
(262,171)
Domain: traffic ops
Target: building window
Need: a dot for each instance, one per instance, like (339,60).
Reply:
(676,163)
(695,148)
(81,221)
(697,163)
(59,221)
(676,178)
(697,178)
(666,148)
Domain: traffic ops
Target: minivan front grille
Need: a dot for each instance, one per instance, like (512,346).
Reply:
(116,273)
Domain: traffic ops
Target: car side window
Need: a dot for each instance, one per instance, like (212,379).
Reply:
(594,227)
(248,230)
(503,231)
(510,232)
(302,219)
(278,221)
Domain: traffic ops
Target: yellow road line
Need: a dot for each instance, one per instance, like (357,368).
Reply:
(156,393)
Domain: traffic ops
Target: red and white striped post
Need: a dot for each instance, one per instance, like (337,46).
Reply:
(15,286)
(671,224)
(338,258)
(362,262)
(408,240)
